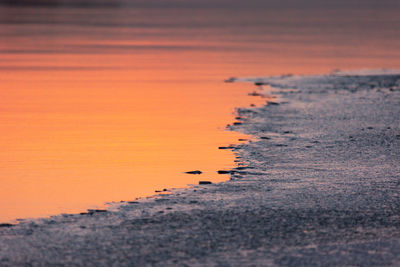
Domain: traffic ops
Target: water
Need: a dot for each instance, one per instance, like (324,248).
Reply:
(108,103)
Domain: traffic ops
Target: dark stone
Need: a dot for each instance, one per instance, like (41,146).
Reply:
(97,210)
(243,140)
(272,103)
(237,123)
(6,225)
(265,137)
(224,172)
(133,202)
(259,83)
(100,210)
(193,172)
(205,182)
(226,147)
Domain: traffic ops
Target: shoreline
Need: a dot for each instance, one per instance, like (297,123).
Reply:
(320,189)
(69,177)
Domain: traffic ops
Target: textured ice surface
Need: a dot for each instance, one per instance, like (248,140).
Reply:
(321,188)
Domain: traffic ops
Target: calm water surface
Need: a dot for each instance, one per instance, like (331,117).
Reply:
(111,103)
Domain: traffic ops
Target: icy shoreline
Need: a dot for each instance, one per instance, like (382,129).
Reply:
(319,185)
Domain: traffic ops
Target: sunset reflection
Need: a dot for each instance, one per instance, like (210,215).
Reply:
(69,146)
(102,104)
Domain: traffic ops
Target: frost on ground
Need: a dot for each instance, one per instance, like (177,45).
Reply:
(318,185)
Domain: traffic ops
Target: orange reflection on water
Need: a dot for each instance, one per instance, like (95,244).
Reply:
(68,144)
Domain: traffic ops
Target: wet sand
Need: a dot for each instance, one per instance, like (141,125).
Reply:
(318,185)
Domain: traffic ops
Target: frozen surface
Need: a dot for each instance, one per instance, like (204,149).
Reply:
(318,185)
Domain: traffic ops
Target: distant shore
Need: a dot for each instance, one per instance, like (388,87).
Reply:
(318,185)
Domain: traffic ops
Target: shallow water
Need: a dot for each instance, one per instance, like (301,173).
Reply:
(111,103)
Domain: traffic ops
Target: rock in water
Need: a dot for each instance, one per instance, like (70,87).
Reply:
(194,172)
